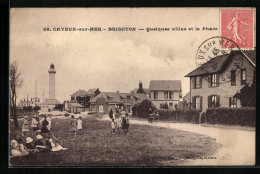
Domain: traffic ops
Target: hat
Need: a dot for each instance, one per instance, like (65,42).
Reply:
(39,137)
(29,140)
(25,117)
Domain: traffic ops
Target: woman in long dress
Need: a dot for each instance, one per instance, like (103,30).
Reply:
(73,126)
(26,126)
(49,125)
(44,129)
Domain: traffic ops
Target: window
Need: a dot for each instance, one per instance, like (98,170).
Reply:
(197,105)
(197,102)
(232,102)
(197,82)
(166,95)
(155,95)
(233,78)
(170,95)
(243,76)
(213,80)
(213,101)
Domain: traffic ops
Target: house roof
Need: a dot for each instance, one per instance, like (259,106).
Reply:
(79,93)
(251,55)
(111,97)
(115,97)
(76,105)
(50,102)
(187,97)
(91,91)
(147,91)
(217,64)
(212,66)
(165,85)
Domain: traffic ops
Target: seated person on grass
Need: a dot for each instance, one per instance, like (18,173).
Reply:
(52,143)
(17,147)
(29,145)
(38,144)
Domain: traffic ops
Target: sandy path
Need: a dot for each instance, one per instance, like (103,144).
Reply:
(237,146)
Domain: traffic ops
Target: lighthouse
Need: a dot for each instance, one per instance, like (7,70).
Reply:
(52,73)
(50,103)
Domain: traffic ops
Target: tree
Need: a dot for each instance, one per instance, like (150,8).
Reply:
(142,109)
(16,82)
(247,95)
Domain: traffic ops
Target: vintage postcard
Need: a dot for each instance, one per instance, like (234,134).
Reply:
(132,87)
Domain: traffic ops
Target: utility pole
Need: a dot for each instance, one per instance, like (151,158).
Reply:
(35,89)
(43,95)
(27,99)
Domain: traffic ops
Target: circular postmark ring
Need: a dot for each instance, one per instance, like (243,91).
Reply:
(213,48)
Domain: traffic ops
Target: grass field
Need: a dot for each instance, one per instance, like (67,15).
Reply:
(144,146)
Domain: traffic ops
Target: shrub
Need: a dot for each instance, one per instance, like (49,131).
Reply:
(66,114)
(180,115)
(231,116)
(203,117)
(142,108)
(37,108)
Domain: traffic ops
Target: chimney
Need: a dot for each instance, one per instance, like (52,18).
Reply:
(140,85)
(117,91)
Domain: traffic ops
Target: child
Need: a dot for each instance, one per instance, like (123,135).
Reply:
(39,144)
(124,124)
(25,127)
(29,145)
(34,125)
(49,121)
(79,126)
(118,124)
(52,143)
(127,123)
(113,126)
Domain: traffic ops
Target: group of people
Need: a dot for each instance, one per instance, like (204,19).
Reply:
(43,124)
(25,144)
(119,120)
(75,126)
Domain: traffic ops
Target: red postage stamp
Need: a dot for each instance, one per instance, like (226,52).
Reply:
(237,25)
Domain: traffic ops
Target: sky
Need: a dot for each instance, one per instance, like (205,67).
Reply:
(110,61)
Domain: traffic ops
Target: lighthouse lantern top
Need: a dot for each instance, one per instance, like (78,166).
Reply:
(52,66)
(52,69)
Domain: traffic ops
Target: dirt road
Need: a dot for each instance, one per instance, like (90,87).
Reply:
(237,146)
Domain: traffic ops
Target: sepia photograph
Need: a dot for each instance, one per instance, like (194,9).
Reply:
(132,87)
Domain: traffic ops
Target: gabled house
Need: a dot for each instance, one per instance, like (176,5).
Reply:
(82,97)
(216,82)
(165,91)
(108,100)
(186,100)
(141,90)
